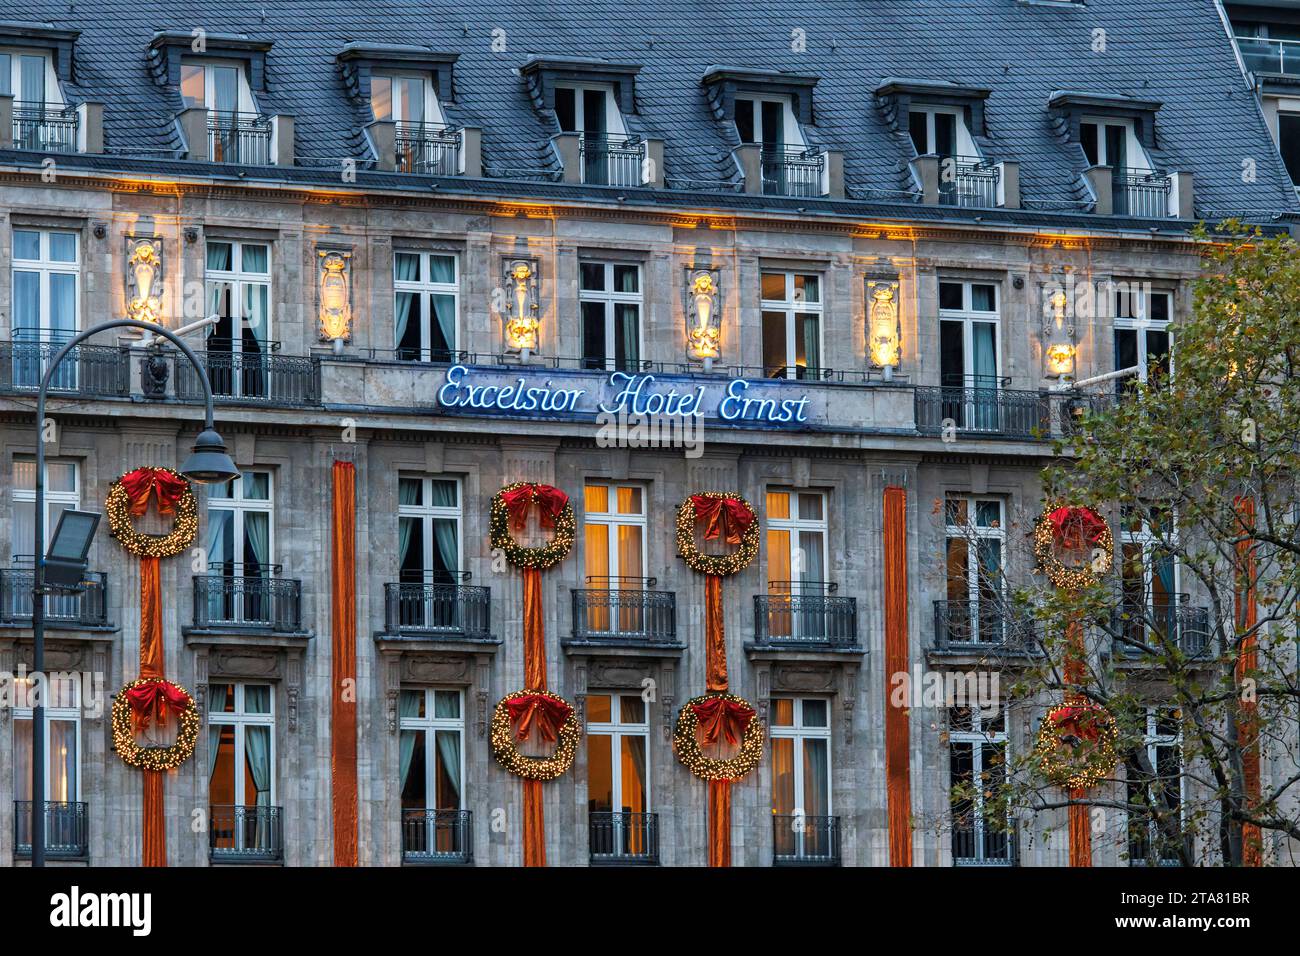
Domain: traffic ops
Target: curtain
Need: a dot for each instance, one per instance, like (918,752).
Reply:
(816,778)
(634,793)
(812,619)
(32,80)
(808,328)
(257,530)
(404,311)
(257,754)
(255,312)
(408,705)
(986,375)
(23,759)
(63,307)
(408,493)
(628,335)
(218,701)
(406,268)
(448,743)
(597,558)
(444,313)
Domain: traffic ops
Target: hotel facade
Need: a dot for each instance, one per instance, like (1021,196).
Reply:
(836,264)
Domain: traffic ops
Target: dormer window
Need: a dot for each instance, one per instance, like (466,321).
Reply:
(1112,143)
(236,131)
(403,98)
(422,140)
(767,122)
(609,155)
(41,121)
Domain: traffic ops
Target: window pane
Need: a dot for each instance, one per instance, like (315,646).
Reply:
(381,97)
(810,507)
(63,247)
(449,761)
(778,504)
(411,703)
(27,306)
(32,79)
(600,773)
(950,295)
(254,258)
(598,709)
(446,703)
(629,501)
(783,712)
(257,485)
(597,499)
(631,709)
(627,279)
(27,245)
(592,276)
(192,86)
(6,75)
(807,289)
(63,306)
(225,89)
(1160,307)
(783,776)
(221,257)
(25,474)
(988,514)
(775,356)
(442,269)
(60,476)
(814,712)
(406,267)
(443,493)
(983,298)
(774,286)
(955,512)
(257,699)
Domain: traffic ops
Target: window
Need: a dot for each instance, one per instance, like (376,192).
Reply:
(239,290)
(768,122)
(792,313)
(975,580)
(1142,336)
(29,78)
(1149,577)
(241,545)
(803,828)
(427,309)
(422,139)
(241,783)
(977,751)
(215,86)
(968,354)
(796,564)
(1157,792)
(609,295)
(1112,143)
(61,494)
(589,110)
(46,309)
(941,132)
(432,768)
(609,155)
(429,529)
(1288,142)
(406,98)
(65,819)
(614,521)
(618,777)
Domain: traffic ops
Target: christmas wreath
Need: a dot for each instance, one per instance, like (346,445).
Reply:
(510,508)
(1076,745)
(128,497)
(718,719)
(540,717)
(1073,529)
(154,701)
(725,515)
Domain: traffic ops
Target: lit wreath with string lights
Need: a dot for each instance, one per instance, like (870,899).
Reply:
(1076,746)
(1063,576)
(117,507)
(507,752)
(153,758)
(541,558)
(687,747)
(719,564)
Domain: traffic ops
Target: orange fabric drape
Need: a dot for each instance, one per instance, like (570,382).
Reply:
(1080,831)
(154,844)
(719,823)
(897,735)
(1247,661)
(153,819)
(715,639)
(1080,821)
(343,665)
(535,678)
(534,825)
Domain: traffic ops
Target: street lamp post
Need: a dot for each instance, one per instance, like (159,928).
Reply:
(207,464)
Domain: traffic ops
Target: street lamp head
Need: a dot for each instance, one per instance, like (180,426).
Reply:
(209,464)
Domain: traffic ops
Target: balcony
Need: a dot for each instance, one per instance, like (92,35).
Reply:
(437,836)
(978,409)
(67,830)
(238,834)
(88,371)
(85,608)
(242,138)
(966,626)
(612,160)
(793,171)
(799,840)
(257,598)
(1140,193)
(1267,55)
(44,127)
(439,608)
(805,614)
(252,378)
(429,148)
(623,613)
(1170,616)
(974,844)
(968,181)
(623,838)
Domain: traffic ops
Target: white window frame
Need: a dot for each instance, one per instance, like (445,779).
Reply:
(793,134)
(614,125)
(247,102)
(965,143)
(972,530)
(432,111)
(45,267)
(1152,741)
(239,506)
(56,502)
(52,93)
(793,305)
(613,520)
(796,524)
(1138,159)
(609,299)
(422,290)
(431,725)
(52,714)
(1143,323)
(798,732)
(237,279)
(968,316)
(240,719)
(978,738)
(616,729)
(426,513)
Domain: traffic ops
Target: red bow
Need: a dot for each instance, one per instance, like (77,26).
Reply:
(547,713)
(729,517)
(139,483)
(1083,722)
(153,701)
(1076,527)
(550,502)
(719,718)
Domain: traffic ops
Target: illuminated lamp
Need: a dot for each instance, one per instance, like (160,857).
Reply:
(704,337)
(884,332)
(144,281)
(522,324)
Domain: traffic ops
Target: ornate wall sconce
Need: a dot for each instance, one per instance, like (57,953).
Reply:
(144,281)
(703,308)
(522,325)
(884,330)
(1058,345)
(335,298)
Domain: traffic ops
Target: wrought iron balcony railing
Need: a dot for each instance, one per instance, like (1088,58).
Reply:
(1269,55)
(438,610)
(623,837)
(45,127)
(85,608)
(255,378)
(89,371)
(799,840)
(792,171)
(623,614)
(968,181)
(805,613)
(239,834)
(242,597)
(988,410)
(1146,620)
(243,138)
(437,836)
(431,149)
(979,625)
(611,160)
(1140,193)
(975,844)
(67,830)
